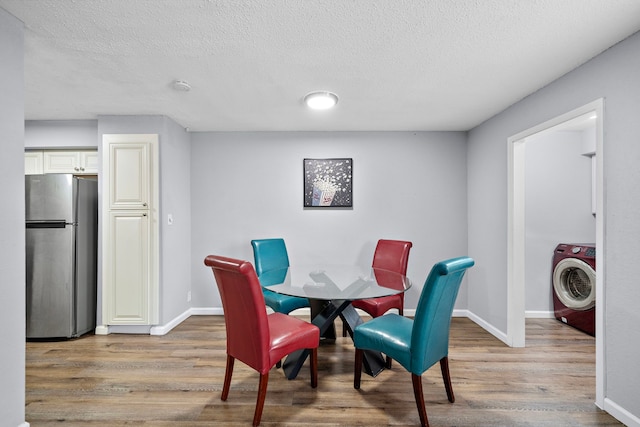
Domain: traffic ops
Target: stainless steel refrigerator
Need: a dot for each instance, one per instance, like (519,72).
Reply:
(61,258)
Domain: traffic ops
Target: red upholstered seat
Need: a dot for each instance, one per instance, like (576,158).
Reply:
(256,338)
(376,307)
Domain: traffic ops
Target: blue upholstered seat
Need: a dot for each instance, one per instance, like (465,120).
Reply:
(418,343)
(271,263)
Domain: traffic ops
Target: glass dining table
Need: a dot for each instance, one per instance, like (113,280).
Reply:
(330,290)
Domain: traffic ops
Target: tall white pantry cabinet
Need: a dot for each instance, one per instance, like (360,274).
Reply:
(130,243)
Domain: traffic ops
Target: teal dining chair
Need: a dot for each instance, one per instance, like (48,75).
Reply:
(418,343)
(271,264)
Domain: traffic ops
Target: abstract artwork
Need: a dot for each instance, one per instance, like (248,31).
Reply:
(328,182)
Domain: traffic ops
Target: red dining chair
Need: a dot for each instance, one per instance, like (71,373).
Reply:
(392,255)
(254,337)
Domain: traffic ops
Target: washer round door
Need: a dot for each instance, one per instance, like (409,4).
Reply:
(574,282)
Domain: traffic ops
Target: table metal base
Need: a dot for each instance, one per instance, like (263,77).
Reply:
(323,313)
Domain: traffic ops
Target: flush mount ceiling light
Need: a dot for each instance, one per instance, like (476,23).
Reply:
(181,85)
(321,100)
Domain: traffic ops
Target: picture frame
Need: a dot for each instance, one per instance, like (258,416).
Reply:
(328,183)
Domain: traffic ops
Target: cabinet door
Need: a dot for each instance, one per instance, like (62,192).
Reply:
(33,163)
(61,162)
(127,268)
(69,161)
(129,176)
(89,162)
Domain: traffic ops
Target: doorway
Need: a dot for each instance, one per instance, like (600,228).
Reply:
(517,229)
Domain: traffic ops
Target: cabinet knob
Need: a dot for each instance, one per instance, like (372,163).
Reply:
(144,204)
(144,214)
(76,169)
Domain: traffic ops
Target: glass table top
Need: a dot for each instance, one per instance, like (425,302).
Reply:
(336,282)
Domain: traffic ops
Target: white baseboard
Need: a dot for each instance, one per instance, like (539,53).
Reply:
(102,330)
(211,311)
(193,311)
(164,329)
(488,327)
(130,329)
(122,329)
(206,311)
(158,329)
(621,414)
(538,314)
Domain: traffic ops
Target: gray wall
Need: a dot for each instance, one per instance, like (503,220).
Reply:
(558,207)
(613,75)
(406,185)
(61,134)
(175,199)
(12,249)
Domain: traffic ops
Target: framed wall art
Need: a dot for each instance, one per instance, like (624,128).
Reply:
(328,182)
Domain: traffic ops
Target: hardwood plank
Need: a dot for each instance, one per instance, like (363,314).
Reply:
(176,380)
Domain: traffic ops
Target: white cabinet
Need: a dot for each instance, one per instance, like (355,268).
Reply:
(129,295)
(89,161)
(129,176)
(130,283)
(70,161)
(33,161)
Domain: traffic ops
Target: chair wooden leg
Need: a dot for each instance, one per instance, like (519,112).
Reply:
(417,392)
(444,367)
(262,393)
(357,368)
(314,367)
(227,377)
(344,330)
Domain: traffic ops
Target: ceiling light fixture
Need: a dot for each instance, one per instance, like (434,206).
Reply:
(181,86)
(321,100)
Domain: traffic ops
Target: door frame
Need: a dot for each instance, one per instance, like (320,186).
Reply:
(516,234)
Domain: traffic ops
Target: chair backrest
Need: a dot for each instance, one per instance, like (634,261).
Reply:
(269,254)
(392,255)
(244,311)
(430,335)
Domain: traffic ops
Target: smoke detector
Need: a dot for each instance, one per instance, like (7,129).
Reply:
(181,85)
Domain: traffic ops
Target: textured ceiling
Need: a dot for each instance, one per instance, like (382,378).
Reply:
(395,64)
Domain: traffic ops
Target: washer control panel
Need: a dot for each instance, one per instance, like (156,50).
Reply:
(589,251)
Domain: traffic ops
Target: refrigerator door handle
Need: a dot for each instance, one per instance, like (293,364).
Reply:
(55,223)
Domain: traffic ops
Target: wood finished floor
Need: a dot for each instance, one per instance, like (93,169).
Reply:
(176,380)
